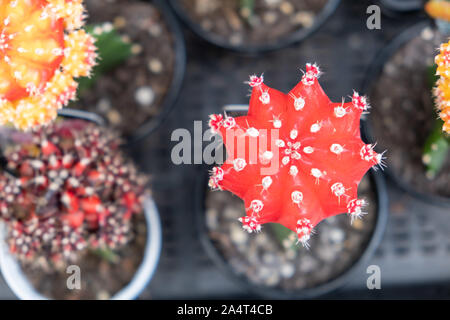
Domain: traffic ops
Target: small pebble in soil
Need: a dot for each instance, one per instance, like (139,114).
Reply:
(97,30)
(136,49)
(427,34)
(125,38)
(307,264)
(287,270)
(287,243)
(358,224)
(233,20)
(114,117)
(273,279)
(119,22)
(306,19)
(270,17)
(336,235)
(264,272)
(211,218)
(144,96)
(390,69)
(206,6)
(268,258)
(272,2)
(155,30)
(261,239)
(429,175)
(287,8)
(103,105)
(236,39)
(291,254)
(237,236)
(155,65)
(107,27)
(231,213)
(245,12)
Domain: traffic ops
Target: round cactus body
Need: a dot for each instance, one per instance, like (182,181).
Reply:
(68,187)
(295,158)
(442,90)
(42,50)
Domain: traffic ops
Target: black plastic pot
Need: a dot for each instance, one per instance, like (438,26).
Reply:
(18,281)
(179,69)
(372,75)
(376,179)
(290,39)
(403,5)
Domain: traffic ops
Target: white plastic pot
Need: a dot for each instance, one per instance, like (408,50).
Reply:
(23,289)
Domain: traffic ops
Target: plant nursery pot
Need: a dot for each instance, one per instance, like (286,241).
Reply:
(23,289)
(403,111)
(265,267)
(137,96)
(403,5)
(280,25)
(136,272)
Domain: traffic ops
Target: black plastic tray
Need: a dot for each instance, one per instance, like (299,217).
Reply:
(414,255)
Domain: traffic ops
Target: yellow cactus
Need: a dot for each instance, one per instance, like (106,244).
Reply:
(442,90)
(438,9)
(42,50)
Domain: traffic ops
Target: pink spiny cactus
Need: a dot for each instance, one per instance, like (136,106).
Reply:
(314,146)
(72,189)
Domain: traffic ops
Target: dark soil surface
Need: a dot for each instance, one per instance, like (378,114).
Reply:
(132,93)
(100,278)
(267,260)
(232,22)
(403,113)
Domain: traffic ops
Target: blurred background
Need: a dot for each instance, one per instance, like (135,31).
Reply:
(414,253)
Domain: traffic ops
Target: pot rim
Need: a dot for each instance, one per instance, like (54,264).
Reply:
(379,186)
(291,38)
(372,74)
(403,6)
(23,289)
(76,114)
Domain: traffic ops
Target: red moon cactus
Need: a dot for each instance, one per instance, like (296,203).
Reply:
(309,160)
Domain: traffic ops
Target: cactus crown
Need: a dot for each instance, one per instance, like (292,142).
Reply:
(42,50)
(442,89)
(313,147)
(71,188)
(438,9)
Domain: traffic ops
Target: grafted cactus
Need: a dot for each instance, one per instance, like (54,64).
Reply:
(437,144)
(442,90)
(438,9)
(70,188)
(42,50)
(309,158)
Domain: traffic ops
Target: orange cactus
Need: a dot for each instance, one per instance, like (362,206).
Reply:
(442,90)
(42,50)
(438,9)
